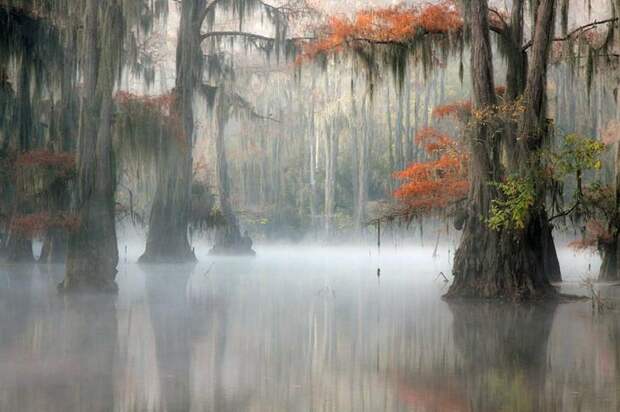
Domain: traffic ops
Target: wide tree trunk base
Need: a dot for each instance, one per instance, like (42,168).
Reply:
(92,251)
(508,265)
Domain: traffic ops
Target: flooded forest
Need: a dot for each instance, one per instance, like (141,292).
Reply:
(309,205)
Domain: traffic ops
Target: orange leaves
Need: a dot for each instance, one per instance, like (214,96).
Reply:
(458,110)
(434,184)
(386,25)
(461,110)
(39,223)
(434,141)
(440,18)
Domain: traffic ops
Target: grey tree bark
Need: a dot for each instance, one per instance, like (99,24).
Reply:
(93,252)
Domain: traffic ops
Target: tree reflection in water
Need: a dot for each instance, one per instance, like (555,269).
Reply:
(295,334)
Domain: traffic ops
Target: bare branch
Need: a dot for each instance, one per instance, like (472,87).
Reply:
(578,30)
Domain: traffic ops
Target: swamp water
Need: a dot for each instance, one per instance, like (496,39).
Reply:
(300,329)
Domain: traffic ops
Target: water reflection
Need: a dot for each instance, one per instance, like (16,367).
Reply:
(504,351)
(60,353)
(296,333)
(166,287)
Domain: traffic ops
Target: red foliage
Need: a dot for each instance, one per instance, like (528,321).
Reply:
(595,235)
(62,162)
(460,109)
(390,24)
(434,141)
(434,184)
(163,105)
(39,223)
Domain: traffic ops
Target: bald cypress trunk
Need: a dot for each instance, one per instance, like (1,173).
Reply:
(228,238)
(167,237)
(93,251)
(516,77)
(18,246)
(55,241)
(610,267)
(506,262)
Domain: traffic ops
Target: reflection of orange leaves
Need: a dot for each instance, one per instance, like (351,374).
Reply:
(429,395)
(39,223)
(392,24)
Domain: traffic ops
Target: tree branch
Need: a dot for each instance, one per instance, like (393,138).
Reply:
(576,31)
(564,212)
(499,16)
(235,100)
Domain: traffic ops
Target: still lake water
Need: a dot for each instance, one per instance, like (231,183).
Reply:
(300,329)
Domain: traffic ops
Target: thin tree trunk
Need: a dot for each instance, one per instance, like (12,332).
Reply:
(331,155)
(167,237)
(390,132)
(228,239)
(361,186)
(610,267)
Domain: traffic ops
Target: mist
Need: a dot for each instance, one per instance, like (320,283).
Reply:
(309,205)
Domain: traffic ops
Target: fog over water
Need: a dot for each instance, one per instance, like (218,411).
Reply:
(300,329)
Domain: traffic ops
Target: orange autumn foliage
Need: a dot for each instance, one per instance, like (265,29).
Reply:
(386,25)
(437,183)
(457,110)
(460,109)
(433,141)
